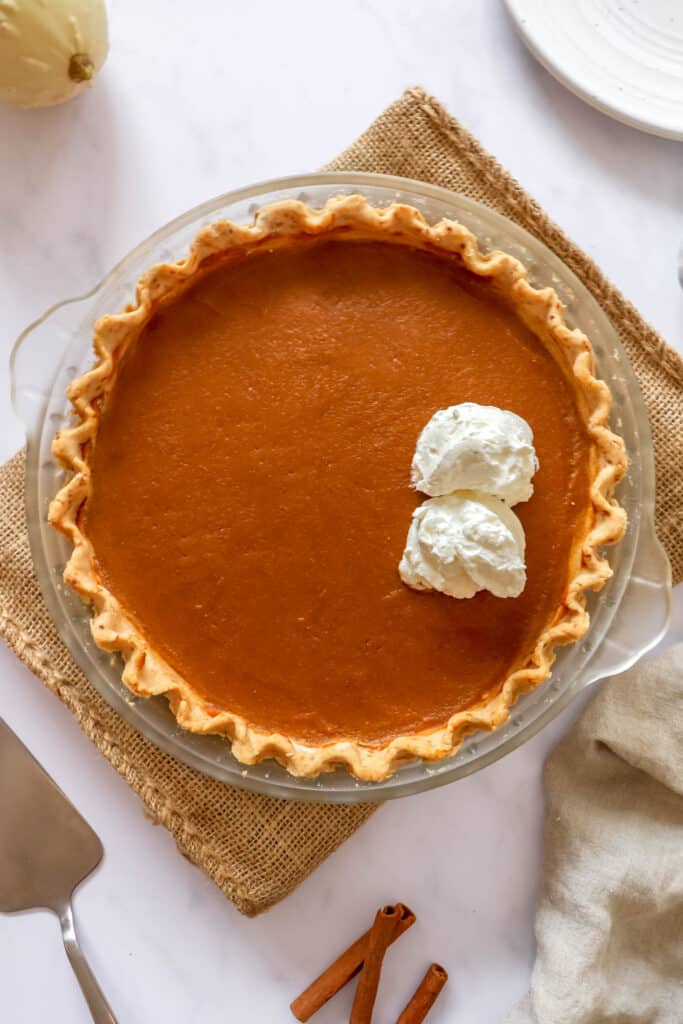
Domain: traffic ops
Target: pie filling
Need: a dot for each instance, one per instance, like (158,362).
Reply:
(251,487)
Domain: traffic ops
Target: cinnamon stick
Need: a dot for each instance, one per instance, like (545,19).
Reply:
(381,933)
(425,995)
(343,969)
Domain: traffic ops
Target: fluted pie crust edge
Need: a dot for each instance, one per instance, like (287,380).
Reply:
(146,673)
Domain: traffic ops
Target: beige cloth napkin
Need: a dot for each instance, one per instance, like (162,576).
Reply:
(609,926)
(257,849)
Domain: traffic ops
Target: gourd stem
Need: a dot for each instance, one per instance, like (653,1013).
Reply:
(81,68)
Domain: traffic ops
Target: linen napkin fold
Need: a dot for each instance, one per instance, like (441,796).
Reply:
(254,848)
(609,925)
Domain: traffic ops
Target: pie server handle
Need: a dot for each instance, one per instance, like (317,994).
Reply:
(100,1009)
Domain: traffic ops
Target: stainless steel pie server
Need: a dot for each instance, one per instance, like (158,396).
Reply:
(46,849)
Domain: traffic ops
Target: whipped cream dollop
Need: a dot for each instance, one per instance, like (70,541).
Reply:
(476,447)
(462,543)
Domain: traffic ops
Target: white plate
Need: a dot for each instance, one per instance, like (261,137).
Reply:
(624,57)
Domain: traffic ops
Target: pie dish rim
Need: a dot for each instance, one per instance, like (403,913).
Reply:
(145,672)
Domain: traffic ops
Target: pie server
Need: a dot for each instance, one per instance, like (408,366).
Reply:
(46,849)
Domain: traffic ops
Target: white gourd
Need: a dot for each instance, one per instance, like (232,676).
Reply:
(50,50)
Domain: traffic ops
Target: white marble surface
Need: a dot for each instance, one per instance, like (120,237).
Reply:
(193,102)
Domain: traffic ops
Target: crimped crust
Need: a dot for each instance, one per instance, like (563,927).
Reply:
(541,309)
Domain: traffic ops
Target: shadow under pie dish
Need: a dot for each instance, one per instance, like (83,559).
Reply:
(240,484)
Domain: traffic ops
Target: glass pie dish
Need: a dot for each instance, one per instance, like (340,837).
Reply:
(627,618)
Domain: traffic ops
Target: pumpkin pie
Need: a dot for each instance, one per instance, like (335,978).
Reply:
(239,486)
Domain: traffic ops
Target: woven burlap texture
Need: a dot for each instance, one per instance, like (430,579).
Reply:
(254,848)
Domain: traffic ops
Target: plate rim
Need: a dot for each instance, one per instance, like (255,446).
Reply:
(564,77)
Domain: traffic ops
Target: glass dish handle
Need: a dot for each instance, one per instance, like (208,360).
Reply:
(36,357)
(643,614)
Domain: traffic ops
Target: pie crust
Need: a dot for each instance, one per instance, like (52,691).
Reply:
(282,223)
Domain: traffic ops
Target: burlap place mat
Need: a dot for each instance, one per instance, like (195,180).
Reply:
(258,849)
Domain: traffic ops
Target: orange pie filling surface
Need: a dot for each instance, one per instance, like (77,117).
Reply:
(251,487)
